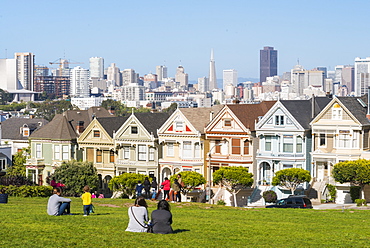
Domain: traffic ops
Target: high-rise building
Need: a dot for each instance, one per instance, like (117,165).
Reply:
(181,77)
(114,74)
(203,84)
(230,77)
(129,77)
(348,78)
(301,79)
(268,63)
(8,74)
(25,69)
(80,82)
(161,71)
(212,73)
(362,75)
(97,67)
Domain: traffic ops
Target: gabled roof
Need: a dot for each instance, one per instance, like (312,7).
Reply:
(200,117)
(248,114)
(11,128)
(152,121)
(355,107)
(63,126)
(112,124)
(301,110)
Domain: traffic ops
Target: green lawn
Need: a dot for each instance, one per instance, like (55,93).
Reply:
(25,223)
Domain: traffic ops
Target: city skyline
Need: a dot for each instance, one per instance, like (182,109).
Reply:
(147,34)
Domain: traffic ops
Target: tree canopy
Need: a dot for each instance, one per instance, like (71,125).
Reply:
(191,179)
(75,175)
(233,179)
(121,109)
(126,183)
(18,167)
(291,178)
(5,97)
(355,172)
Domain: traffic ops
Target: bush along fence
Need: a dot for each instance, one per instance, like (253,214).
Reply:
(28,191)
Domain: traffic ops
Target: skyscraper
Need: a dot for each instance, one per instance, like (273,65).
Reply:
(362,75)
(97,67)
(25,69)
(268,63)
(212,73)
(203,84)
(80,82)
(114,74)
(230,77)
(161,71)
(181,77)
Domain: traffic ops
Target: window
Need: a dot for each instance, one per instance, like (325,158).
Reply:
(336,113)
(170,149)
(279,120)
(151,153)
(299,144)
(2,164)
(126,152)
(96,134)
(288,143)
(344,139)
(26,132)
(267,143)
(179,126)
(322,140)
(99,157)
(246,147)
(134,130)
(196,150)
(227,123)
(218,146)
(65,153)
(111,156)
(90,154)
(235,146)
(57,152)
(38,151)
(142,153)
(186,149)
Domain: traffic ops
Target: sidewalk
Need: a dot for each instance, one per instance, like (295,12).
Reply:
(340,206)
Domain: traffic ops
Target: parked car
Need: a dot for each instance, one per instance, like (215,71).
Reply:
(292,202)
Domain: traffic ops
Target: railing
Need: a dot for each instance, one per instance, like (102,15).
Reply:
(34,160)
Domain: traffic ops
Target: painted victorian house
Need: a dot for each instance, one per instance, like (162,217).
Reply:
(232,137)
(97,145)
(285,137)
(341,132)
(56,142)
(183,140)
(136,144)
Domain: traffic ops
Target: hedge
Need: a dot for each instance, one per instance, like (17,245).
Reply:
(28,191)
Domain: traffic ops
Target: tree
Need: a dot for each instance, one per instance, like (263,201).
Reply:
(291,178)
(5,97)
(126,183)
(48,109)
(354,172)
(171,108)
(191,179)
(18,167)
(233,178)
(75,175)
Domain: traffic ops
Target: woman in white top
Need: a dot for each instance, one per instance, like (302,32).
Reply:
(138,215)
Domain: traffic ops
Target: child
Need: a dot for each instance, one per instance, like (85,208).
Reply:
(86,200)
(139,188)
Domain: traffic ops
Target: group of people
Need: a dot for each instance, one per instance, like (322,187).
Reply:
(160,221)
(166,186)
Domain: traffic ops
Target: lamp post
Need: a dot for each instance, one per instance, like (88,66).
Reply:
(208,188)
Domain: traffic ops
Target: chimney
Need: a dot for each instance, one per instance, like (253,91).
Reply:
(368,102)
(313,106)
(111,110)
(80,127)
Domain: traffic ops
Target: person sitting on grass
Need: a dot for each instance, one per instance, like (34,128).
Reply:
(162,218)
(138,216)
(58,205)
(86,201)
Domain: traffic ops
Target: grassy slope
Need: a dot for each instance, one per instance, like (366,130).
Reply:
(24,223)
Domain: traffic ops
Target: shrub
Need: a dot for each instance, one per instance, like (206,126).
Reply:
(360,202)
(15,180)
(269,196)
(355,192)
(28,191)
(221,202)
(332,192)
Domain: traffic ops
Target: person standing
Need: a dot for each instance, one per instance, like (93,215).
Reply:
(139,189)
(166,188)
(176,188)
(58,205)
(154,187)
(147,187)
(138,216)
(162,218)
(86,201)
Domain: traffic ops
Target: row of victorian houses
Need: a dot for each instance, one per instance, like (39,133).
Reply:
(265,137)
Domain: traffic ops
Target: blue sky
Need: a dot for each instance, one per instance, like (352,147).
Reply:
(143,34)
